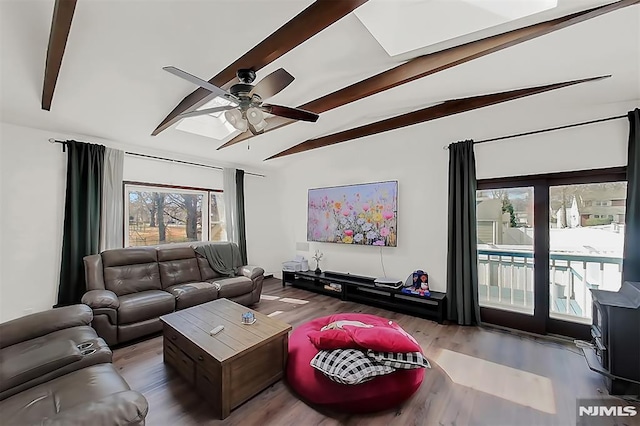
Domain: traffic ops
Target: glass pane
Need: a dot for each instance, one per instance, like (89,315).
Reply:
(586,243)
(505,249)
(164,217)
(218,224)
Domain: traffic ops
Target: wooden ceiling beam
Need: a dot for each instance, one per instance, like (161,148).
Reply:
(432,63)
(444,109)
(309,22)
(60,26)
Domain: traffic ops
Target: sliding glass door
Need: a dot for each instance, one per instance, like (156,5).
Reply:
(543,242)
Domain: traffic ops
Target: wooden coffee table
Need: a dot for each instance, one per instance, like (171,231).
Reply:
(232,366)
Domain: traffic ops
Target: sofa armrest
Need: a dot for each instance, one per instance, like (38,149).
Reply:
(93,272)
(122,408)
(97,299)
(250,271)
(42,323)
(34,361)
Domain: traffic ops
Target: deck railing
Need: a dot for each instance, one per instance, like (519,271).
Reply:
(506,281)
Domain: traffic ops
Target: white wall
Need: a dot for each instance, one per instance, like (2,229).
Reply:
(32,201)
(415,157)
(147,170)
(263,205)
(32,192)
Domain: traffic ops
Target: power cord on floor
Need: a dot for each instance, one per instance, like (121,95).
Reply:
(535,339)
(382,263)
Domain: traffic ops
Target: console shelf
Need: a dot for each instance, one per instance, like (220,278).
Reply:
(356,288)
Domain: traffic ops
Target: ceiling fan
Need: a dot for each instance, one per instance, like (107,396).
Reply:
(246,110)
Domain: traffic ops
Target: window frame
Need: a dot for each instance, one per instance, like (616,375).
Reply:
(128,186)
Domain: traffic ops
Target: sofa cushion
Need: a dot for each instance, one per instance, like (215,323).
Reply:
(169,252)
(206,271)
(133,278)
(232,287)
(180,271)
(129,256)
(191,294)
(144,305)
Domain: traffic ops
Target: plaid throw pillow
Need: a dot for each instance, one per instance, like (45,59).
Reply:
(407,360)
(348,366)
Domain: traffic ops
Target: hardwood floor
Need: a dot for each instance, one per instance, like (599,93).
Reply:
(479,376)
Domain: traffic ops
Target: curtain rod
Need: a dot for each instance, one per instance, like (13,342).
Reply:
(135,154)
(584,123)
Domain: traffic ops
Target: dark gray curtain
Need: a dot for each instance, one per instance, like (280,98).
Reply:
(462,255)
(85,163)
(242,232)
(631,258)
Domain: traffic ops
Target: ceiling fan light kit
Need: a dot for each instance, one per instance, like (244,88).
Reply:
(248,111)
(235,118)
(256,118)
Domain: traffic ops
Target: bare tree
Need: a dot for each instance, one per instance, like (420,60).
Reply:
(183,208)
(159,202)
(191,205)
(563,211)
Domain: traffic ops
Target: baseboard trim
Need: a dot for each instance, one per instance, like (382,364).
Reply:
(268,276)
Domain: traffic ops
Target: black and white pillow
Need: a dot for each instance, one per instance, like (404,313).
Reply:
(348,366)
(407,361)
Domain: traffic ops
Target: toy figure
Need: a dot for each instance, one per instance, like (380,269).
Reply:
(424,282)
(416,278)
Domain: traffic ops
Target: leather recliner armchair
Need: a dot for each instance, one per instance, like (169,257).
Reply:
(55,370)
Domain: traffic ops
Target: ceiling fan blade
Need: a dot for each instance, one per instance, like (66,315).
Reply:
(206,111)
(289,112)
(272,84)
(200,82)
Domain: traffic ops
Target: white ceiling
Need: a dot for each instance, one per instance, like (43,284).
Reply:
(112,86)
(403,26)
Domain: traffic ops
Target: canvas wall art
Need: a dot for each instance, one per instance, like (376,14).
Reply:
(363,214)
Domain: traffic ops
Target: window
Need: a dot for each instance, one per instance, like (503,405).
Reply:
(217,222)
(157,214)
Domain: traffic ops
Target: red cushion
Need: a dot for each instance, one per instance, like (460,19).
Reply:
(384,336)
(381,393)
(329,340)
(383,339)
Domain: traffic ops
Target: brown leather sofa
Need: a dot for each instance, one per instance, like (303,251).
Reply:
(55,370)
(129,289)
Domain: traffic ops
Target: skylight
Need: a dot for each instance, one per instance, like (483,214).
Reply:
(404,25)
(211,125)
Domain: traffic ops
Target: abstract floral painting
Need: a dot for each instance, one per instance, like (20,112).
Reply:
(362,214)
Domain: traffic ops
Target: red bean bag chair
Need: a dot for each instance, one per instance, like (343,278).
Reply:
(381,393)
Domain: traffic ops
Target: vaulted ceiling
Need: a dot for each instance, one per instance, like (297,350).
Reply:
(111,84)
